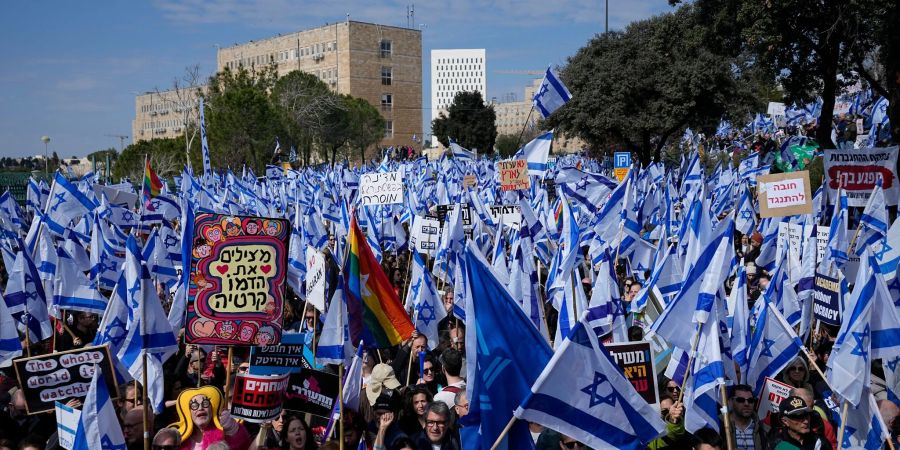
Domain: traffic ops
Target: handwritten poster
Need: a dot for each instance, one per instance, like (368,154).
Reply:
(784,194)
(238,268)
(513,174)
(381,188)
(62,376)
(636,362)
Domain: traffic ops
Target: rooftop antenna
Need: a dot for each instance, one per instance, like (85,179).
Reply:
(412,12)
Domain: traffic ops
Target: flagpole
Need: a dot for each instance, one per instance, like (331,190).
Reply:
(725,417)
(341,407)
(840,436)
(228,373)
(505,431)
(687,372)
(409,365)
(27,335)
(524,126)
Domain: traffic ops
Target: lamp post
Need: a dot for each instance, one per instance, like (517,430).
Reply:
(46,141)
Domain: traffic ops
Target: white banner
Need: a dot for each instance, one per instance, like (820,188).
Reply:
(66,424)
(315,278)
(425,234)
(858,170)
(381,188)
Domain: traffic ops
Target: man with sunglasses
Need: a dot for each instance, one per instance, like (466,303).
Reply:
(796,434)
(747,432)
(567,443)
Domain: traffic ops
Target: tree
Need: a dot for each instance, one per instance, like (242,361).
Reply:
(242,121)
(507,145)
(101,157)
(304,103)
(367,126)
(469,121)
(167,157)
(183,99)
(813,49)
(637,88)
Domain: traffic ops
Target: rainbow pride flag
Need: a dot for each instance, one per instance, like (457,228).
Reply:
(152,185)
(375,314)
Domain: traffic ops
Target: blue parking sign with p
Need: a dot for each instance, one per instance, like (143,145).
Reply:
(622,160)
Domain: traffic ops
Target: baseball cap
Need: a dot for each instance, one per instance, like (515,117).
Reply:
(793,406)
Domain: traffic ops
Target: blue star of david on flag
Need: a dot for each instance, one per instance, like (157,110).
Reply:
(861,338)
(593,391)
(767,348)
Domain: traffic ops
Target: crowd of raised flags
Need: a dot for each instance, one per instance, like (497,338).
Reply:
(537,299)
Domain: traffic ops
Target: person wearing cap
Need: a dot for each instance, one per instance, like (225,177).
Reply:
(796,433)
(451,360)
(385,427)
(382,378)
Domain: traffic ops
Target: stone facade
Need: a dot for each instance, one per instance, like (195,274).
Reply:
(163,114)
(512,117)
(379,63)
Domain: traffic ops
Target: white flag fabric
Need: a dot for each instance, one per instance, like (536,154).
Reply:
(552,94)
(536,153)
(99,425)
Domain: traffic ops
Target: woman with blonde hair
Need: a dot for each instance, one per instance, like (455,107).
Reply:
(204,420)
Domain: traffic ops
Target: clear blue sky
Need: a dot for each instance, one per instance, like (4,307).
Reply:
(70,70)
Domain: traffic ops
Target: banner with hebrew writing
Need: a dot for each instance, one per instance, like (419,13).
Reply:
(637,364)
(238,268)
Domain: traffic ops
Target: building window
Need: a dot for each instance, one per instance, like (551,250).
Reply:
(387,102)
(386,48)
(386,75)
(388,129)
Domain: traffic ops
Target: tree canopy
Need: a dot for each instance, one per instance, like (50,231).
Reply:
(469,121)
(167,157)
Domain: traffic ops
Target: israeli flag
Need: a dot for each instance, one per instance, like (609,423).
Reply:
(536,154)
(424,297)
(583,394)
(99,425)
(460,153)
(66,201)
(334,344)
(552,94)
(204,145)
(772,347)
(873,224)
(10,343)
(73,290)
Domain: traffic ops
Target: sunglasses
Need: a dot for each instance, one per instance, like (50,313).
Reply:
(428,370)
(673,388)
(797,369)
(572,444)
(194,405)
(743,399)
(243,368)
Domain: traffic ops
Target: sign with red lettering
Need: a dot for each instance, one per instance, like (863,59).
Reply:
(636,361)
(62,376)
(857,170)
(784,194)
(238,269)
(773,393)
(513,174)
(257,398)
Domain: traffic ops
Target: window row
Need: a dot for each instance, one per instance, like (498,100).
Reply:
(460,60)
(476,67)
(285,55)
(443,80)
(161,124)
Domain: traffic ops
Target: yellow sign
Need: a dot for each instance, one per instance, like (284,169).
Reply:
(621,172)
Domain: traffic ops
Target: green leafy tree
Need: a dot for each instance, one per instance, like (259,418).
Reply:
(507,145)
(167,157)
(638,88)
(304,103)
(469,121)
(813,48)
(242,121)
(366,126)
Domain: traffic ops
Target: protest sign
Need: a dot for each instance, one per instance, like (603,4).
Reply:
(791,234)
(62,376)
(311,391)
(784,194)
(257,398)
(513,174)
(443,210)
(827,297)
(238,269)
(621,164)
(773,393)
(425,234)
(315,278)
(381,188)
(857,170)
(289,356)
(510,215)
(636,362)
(66,424)
(470,181)
(822,234)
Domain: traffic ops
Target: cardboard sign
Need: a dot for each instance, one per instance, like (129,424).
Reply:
(621,165)
(513,174)
(67,419)
(827,297)
(510,215)
(315,278)
(470,181)
(257,398)
(381,188)
(784,194)
(238,269)
(772,395)
(311,391)
(290,356)
(425,234)
(62,376)
(857,171)
(636,362)
(791,234)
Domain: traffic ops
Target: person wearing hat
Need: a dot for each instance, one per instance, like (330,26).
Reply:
(385,427)
(796,433)
(382,378)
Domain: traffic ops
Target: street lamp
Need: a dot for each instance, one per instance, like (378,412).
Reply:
(46,141)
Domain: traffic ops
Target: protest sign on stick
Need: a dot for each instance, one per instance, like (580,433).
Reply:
(827,296)
(637,364)
(315,278)
(513,174)
(311,391)
(62,376)
(857,170)
(238,269)
(381,188)
(773,393)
